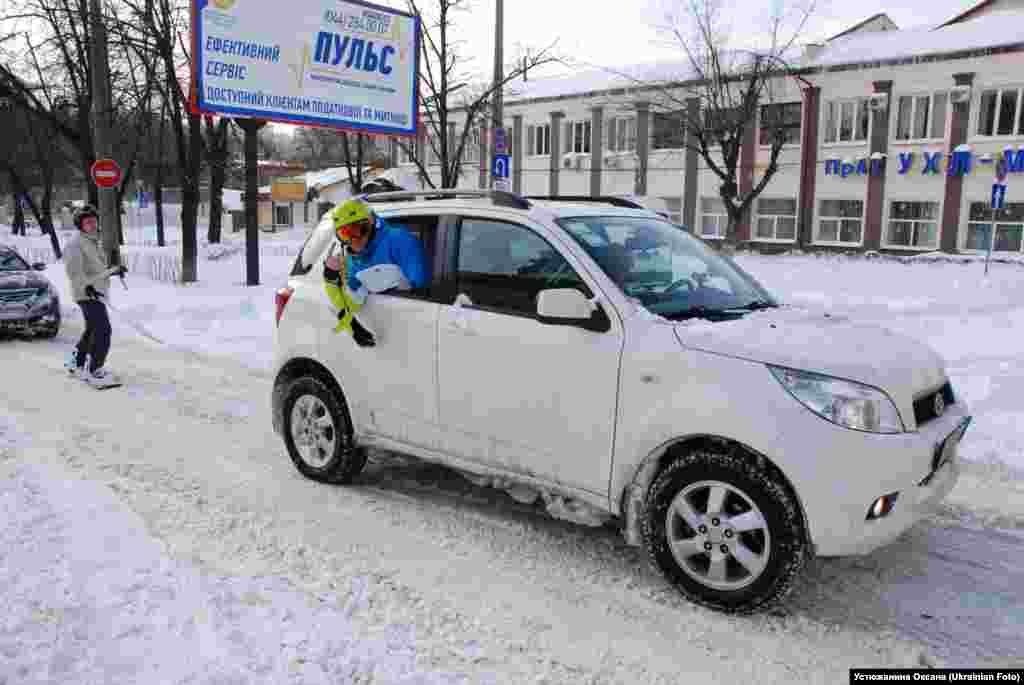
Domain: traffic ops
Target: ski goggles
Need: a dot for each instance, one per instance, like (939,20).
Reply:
(358,229)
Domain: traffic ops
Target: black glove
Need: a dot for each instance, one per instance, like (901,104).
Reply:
(363,337)
(121,270)
(92,292)
(331,275)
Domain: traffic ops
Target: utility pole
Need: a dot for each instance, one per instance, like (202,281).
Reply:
(101,106)
(496,109)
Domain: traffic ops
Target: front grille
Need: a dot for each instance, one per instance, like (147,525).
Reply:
(16,295)
(924,407)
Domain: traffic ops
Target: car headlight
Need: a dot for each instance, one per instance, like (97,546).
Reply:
(853,405)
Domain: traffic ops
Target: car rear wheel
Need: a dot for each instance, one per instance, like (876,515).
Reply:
(318,432)
(727,533)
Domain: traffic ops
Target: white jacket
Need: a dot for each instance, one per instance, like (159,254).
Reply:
(85,265)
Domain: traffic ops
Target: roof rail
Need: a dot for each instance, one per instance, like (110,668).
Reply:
(606,199)
(498,197)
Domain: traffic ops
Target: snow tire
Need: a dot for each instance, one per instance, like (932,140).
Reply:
(786,548)
(345,460)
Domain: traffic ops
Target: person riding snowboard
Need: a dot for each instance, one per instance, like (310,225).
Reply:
(90,283)
(372,245)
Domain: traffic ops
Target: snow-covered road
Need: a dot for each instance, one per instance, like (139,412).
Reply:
(159,533)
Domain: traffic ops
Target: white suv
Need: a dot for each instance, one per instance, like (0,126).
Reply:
(601,361)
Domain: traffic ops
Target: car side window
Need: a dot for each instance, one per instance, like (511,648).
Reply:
(503,266)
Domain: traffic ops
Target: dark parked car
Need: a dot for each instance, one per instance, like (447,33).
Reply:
(28,301)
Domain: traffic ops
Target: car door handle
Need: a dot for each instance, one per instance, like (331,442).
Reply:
(460,324)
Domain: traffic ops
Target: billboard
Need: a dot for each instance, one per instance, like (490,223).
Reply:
(336,63)
(288,190)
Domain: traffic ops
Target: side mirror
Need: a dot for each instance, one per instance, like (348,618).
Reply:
(39,266)
(570,307)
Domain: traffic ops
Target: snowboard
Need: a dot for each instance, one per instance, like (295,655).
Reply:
(106,385)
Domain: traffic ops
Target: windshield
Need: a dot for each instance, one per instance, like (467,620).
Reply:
(667,270)
(10,261)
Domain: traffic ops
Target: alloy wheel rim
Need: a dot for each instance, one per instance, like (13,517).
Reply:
(718,535)
(313,431)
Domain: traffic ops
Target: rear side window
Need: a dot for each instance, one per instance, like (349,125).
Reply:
(503,266)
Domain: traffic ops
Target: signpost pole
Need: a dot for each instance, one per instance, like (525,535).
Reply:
(101,106)
(496,99)
(252,252)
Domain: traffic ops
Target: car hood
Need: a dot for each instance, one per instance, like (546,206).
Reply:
(13,280)
(823,343)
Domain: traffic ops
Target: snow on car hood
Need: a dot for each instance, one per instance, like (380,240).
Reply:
(824,343)
(21,279)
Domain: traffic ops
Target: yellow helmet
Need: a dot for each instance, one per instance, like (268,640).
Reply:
(352,219)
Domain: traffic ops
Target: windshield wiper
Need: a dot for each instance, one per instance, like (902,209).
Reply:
(698,312)
(756,305)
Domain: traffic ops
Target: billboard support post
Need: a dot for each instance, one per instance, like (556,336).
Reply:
(252,253)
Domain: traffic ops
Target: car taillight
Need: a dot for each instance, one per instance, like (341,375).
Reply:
(281,298)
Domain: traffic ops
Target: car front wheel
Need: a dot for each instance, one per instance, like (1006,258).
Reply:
(318,432)
(725,532)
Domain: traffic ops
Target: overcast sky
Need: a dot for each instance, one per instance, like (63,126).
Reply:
(608,34)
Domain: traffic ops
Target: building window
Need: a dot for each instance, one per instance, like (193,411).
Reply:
(776,219)
(577,136)
(538,140)
(913,224)
(621,134)
(847,121)
(921,117)
(1009,227)
(471,152)
(781,119)
(714,219)
(840,221)
(1000,113)
(668,131)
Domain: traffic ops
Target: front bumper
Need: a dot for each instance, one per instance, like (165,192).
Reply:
(921,479)
(39,318)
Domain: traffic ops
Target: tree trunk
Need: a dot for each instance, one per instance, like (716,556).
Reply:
(190,200)
(18,226)
(218,147)
(217,175)
(46,215)
(158,204)
(158,190)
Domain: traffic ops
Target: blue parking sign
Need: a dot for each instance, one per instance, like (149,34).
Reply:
(500,166)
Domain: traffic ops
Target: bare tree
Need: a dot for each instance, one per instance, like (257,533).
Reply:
(162,36)
(218,139)
(452,102)
(736,89)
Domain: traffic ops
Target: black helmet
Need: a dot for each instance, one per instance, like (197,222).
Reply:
(82,212)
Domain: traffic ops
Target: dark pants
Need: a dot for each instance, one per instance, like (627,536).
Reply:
(95,340)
